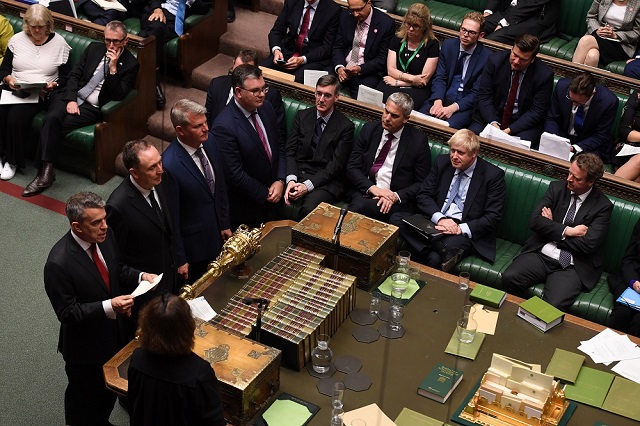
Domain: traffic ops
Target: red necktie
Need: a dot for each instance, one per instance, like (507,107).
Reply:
(263,139)
(381,157)
(102,268)
(511,100)
(304,30)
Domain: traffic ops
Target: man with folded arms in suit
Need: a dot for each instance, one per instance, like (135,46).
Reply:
(302,37)
(514,91)
(389,161)
(360,51)
(84,280)
(506,19)
(569,229)
(464,197)
(318,149)
(462,59)
(583,112)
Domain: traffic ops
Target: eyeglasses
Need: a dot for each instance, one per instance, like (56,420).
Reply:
(108,41)
(468,32)
(257,91)
(358,9)
(576,103)
(412,26)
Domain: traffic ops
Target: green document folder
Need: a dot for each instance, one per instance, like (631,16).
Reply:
(622,398)
(487,296)
(590,388)
(409,417)
(565,365)
(287,410)
(465,350)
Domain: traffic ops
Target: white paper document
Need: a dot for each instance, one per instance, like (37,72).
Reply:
(629,368)
(609,346)
(628,150)
(493,133)
(370,96)
(8,98)
(555,146)
(418,114)
(311,77)
(145,286)
(200,308)
(110,4)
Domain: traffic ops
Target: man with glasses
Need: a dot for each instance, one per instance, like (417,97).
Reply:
(583,112)
(252,150)
(506,19)
(318,149)
(105,72)
(455,85)
(362,44)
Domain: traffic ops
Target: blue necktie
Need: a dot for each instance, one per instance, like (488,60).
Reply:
(453,193)
(179,25)
(578,120)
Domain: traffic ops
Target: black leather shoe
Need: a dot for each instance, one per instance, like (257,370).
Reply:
(450,258)
(161,101)
(231,15)
(41,182)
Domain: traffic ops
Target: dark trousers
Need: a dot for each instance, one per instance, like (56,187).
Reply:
(561,288)
(353,83)
(632,69)
(458,120)
(369,207)
(164,31)
(87,401)
(98,15)
(313,198)
(298,72)
(625,319)
(15,130)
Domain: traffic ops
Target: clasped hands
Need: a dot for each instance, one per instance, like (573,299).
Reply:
(448,226)
(386,198)
(294,192)
(570,231)
(275,192)
(345,73)
(291,64)
(607,32)
(442,112)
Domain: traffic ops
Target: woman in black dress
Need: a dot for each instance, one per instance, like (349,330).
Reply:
(412,57)
(629,134)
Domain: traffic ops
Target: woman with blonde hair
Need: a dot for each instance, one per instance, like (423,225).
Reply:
(413,56)
(35,55)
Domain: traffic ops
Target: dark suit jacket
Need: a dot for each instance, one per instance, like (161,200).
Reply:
(326,166)
(533,101)
(482,210)
(198,215)
(446,66)
(143,242)
(595,135)
(379,36)
(321,35)
(218,94)
(115,87)
(595,213)
(247,168)
(630,269)
(537,17)
(76,291)
(410,167)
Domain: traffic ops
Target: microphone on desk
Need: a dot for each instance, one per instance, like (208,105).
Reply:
(258,300)
(338,228)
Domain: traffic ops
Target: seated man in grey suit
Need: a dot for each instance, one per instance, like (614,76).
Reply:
(389,160)
(318,149)
(569,228)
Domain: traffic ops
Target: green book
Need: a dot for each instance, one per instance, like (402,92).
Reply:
(440,382)
(565,365)
(540,314)
(590,388)
(465,350)
(622,398)
(487,296)
(409,417)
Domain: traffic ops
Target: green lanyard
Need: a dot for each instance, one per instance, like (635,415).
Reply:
(415,52)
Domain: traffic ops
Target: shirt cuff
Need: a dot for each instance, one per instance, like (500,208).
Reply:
(274,48)
(108,309)
(304,59)
(338,67)
(436,217)
(309,185)
(503,22)
(292,178)
(399,200)
(576,148)
(465,230)
(490,12)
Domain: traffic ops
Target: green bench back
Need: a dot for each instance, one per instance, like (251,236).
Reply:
(572,19)
(292,106)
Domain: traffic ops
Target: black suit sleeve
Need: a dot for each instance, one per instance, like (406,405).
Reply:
(281,26)
(631,259)
(428,193)
(496,190)
(338,163)
(355,164)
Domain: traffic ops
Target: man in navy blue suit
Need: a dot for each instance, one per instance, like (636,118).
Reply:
(455,85)
(583,112)
(198,191)
(252,150)
(366,61)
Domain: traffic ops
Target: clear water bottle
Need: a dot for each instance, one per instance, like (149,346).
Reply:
(321,355)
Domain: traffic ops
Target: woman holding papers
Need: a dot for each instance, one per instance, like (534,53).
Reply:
(624,317)
(412,57)
(35,55)
(629,134)
(168,383)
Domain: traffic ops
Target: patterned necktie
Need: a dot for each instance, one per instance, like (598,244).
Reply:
(179,24)
(208,171)
(453,192)
(156,207)
(355,47)
(511,100)
(91,85)
(263,139)
(578,119)
(382,156)
(102,268)
(304,30)
(317,133)
(565,256)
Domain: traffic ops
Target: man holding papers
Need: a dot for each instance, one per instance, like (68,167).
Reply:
(570,225)
(623,317)
(583,112)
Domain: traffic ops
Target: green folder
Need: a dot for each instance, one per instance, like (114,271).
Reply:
(565,365)
(465,350)
(622,398)
(409,417)
(591,387)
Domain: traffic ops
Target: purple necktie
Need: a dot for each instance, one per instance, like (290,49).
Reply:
(381,157)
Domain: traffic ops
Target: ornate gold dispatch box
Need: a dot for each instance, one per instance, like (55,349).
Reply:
(368,247)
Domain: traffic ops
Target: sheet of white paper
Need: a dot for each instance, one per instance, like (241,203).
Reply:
(493,133)
(609,346)
(369,95)
(629,368)
(110,4)
(7,98)
(200,308)
(555,146)
(145,286)
(417,114)
(311,77)
(628,150)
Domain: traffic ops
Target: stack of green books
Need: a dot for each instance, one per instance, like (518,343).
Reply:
(488,296)
(540,314)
